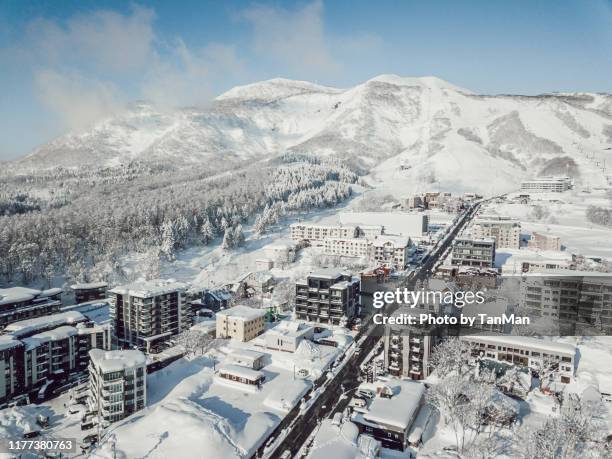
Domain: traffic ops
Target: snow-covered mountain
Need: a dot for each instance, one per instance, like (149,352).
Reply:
(408,132)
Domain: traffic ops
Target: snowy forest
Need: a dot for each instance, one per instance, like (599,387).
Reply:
(79,223)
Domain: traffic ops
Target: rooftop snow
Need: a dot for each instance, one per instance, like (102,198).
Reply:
(28,326)
(525,341)
(150,288)
(19,294)
(8,342)
(118,360)
(242,312)
(397,411)
(88,285)
(242,372)
(55,334)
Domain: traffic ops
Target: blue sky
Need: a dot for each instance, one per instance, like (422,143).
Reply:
(66,64)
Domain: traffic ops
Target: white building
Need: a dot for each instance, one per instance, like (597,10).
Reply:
(542,241)
(317,233)
(247,358)
(346,247)
(397,222)
(117,384)
(240,323)
(390,250)
(530,261)
(505,231)
(530,352)
(547,184)
(287,335)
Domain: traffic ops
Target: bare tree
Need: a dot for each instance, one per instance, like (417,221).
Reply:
(196,342)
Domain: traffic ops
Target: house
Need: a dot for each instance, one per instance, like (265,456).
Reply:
(260,281)
(241,375)
(287,335)
(264,264)
(247,358)
(390,412)
(241,323)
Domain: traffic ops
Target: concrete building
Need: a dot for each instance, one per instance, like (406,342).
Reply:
(473,252)
(287,335)
(36,353)
(317,233)
(146,313)
(327,296)
(346,247)
(542,241)
(390,250)
(90,291)
(20,303)
(505,231)
(410,224)
(547,184)
(117,384)
(264,264)
(241,323)
(534,353)
(530,261)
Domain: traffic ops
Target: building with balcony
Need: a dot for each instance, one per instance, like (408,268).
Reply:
(21,303)
(390,250)
(241,323)
(318,233)
(84,292)
(47,351)
(328,296)
(117,384)
(547,184)
(505,231)
(147,313)
(473,252)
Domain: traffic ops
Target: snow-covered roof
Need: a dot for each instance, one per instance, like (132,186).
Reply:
(246,354)
(242,372)
(242,312)
(88,285)
(8,342)
(20,294)
(118,360)
(398,242)
(326,273)
(55,334)
(525,342)
(262,276)
(397,411)
(150,288)
(337,441)
(28,326)
(290,328)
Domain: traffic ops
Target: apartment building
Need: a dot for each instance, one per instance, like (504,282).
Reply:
(146,313)
(542,241)
(20,303)
(327,296)
(117,384)
(407,351)
(37,352)
(577,301)
(390,250)
(317,233)
(473,252)
(241,323)
(90,291)
(346,247)
(534,353)
(505,231)
(547,184)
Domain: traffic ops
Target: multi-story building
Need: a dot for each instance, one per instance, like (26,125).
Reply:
(370,231)
(147,313)
(241,323)
(414,202)
(390,250)
(34,353)
(529,352)
(346,247)
(542,241)
(473,252)
(327,296)
(505,231)
(575,300)
(20,303)
(117,384)
(529,261)
(547,184)
(90,291)
(317,233)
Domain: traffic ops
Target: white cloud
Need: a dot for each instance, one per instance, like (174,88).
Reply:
(77,100)
(295,38)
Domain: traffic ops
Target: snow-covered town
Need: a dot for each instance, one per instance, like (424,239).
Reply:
(375,267)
